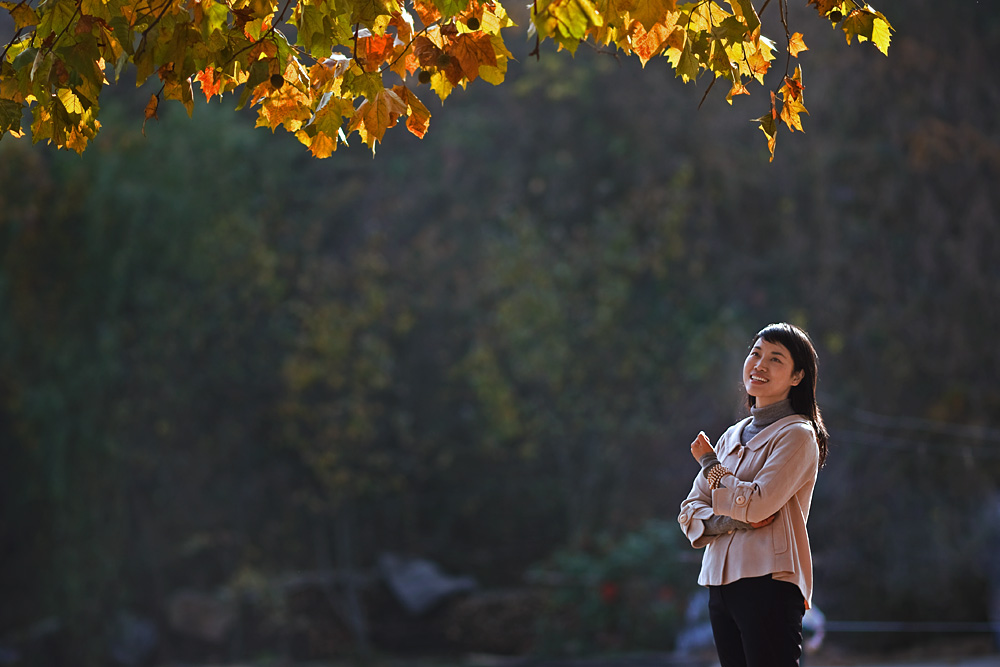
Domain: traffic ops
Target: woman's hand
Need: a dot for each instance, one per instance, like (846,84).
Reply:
(766,522)
(701,446)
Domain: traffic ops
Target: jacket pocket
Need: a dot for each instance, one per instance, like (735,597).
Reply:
(779,533)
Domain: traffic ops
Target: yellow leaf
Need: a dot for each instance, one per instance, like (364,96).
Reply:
(796,44)
(867,24)
(22,14)
(769,127)
(881,33)
(790,110)
(651,12)
(322,145)
(70,101)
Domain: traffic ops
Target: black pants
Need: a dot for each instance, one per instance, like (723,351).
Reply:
(757,622)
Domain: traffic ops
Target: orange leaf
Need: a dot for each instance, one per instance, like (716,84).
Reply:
(645,44)
(796,44)
(427,11)
(374,117)
(150,111)
(211,83)
(419,117)
(824,6)
(322,145)
(151,106)
(792,90)
(375,50)
(472,50)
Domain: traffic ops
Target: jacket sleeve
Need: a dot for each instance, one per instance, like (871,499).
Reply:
(793,460)
(694,510)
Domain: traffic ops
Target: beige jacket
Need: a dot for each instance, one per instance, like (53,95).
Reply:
(774,472)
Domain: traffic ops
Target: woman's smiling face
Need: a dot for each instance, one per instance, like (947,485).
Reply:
(769,373)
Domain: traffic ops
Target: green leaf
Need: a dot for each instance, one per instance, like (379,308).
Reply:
(55,17)
(10,116)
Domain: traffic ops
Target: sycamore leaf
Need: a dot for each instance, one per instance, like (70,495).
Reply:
(769,127)
(824,6)
(651,12)
(647,45)
(211,82)
(322,145)
(150,111)
(56,69)
(374,50)
(374,117)
(867,24)
(790,110)
(472,51)
(10,116)
(687,65)
(796,44)
(418,117)
(427,12)
(22,13)
(70,102)
(881,33)
(745,10)
(496,74)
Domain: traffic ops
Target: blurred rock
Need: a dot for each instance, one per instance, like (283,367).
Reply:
(495,622)
(418,584)
(200,615)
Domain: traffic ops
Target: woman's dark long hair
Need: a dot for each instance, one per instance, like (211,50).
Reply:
(804,358)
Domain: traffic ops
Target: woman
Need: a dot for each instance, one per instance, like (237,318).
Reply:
(749,505)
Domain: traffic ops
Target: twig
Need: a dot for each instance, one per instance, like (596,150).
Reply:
(13,39)
(715,77)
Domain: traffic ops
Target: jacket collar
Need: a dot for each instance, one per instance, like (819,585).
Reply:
(770,430)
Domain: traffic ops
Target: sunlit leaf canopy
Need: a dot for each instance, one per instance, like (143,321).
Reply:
(325,70)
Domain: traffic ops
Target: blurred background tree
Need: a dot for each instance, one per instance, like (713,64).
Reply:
(223,361)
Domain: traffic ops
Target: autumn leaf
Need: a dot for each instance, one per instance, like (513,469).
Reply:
(54,66)
(211,82)
(374,117)
(769,127)
(10,116)
(867,24)
(427,12)
(796,44)
(418,117)
(22,13)
(647,45)
(651,12)
(471,51)
(150,111)
(824,6)
(374,50)
(322,145)
(745,10)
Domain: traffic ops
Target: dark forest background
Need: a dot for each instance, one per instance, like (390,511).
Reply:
(234,378)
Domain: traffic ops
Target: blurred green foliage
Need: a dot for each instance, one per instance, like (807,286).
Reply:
(618,593)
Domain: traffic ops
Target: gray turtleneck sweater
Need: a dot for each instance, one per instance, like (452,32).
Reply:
(762,418)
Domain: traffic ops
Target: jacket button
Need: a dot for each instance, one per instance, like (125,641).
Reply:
(740,500)
(683,518)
